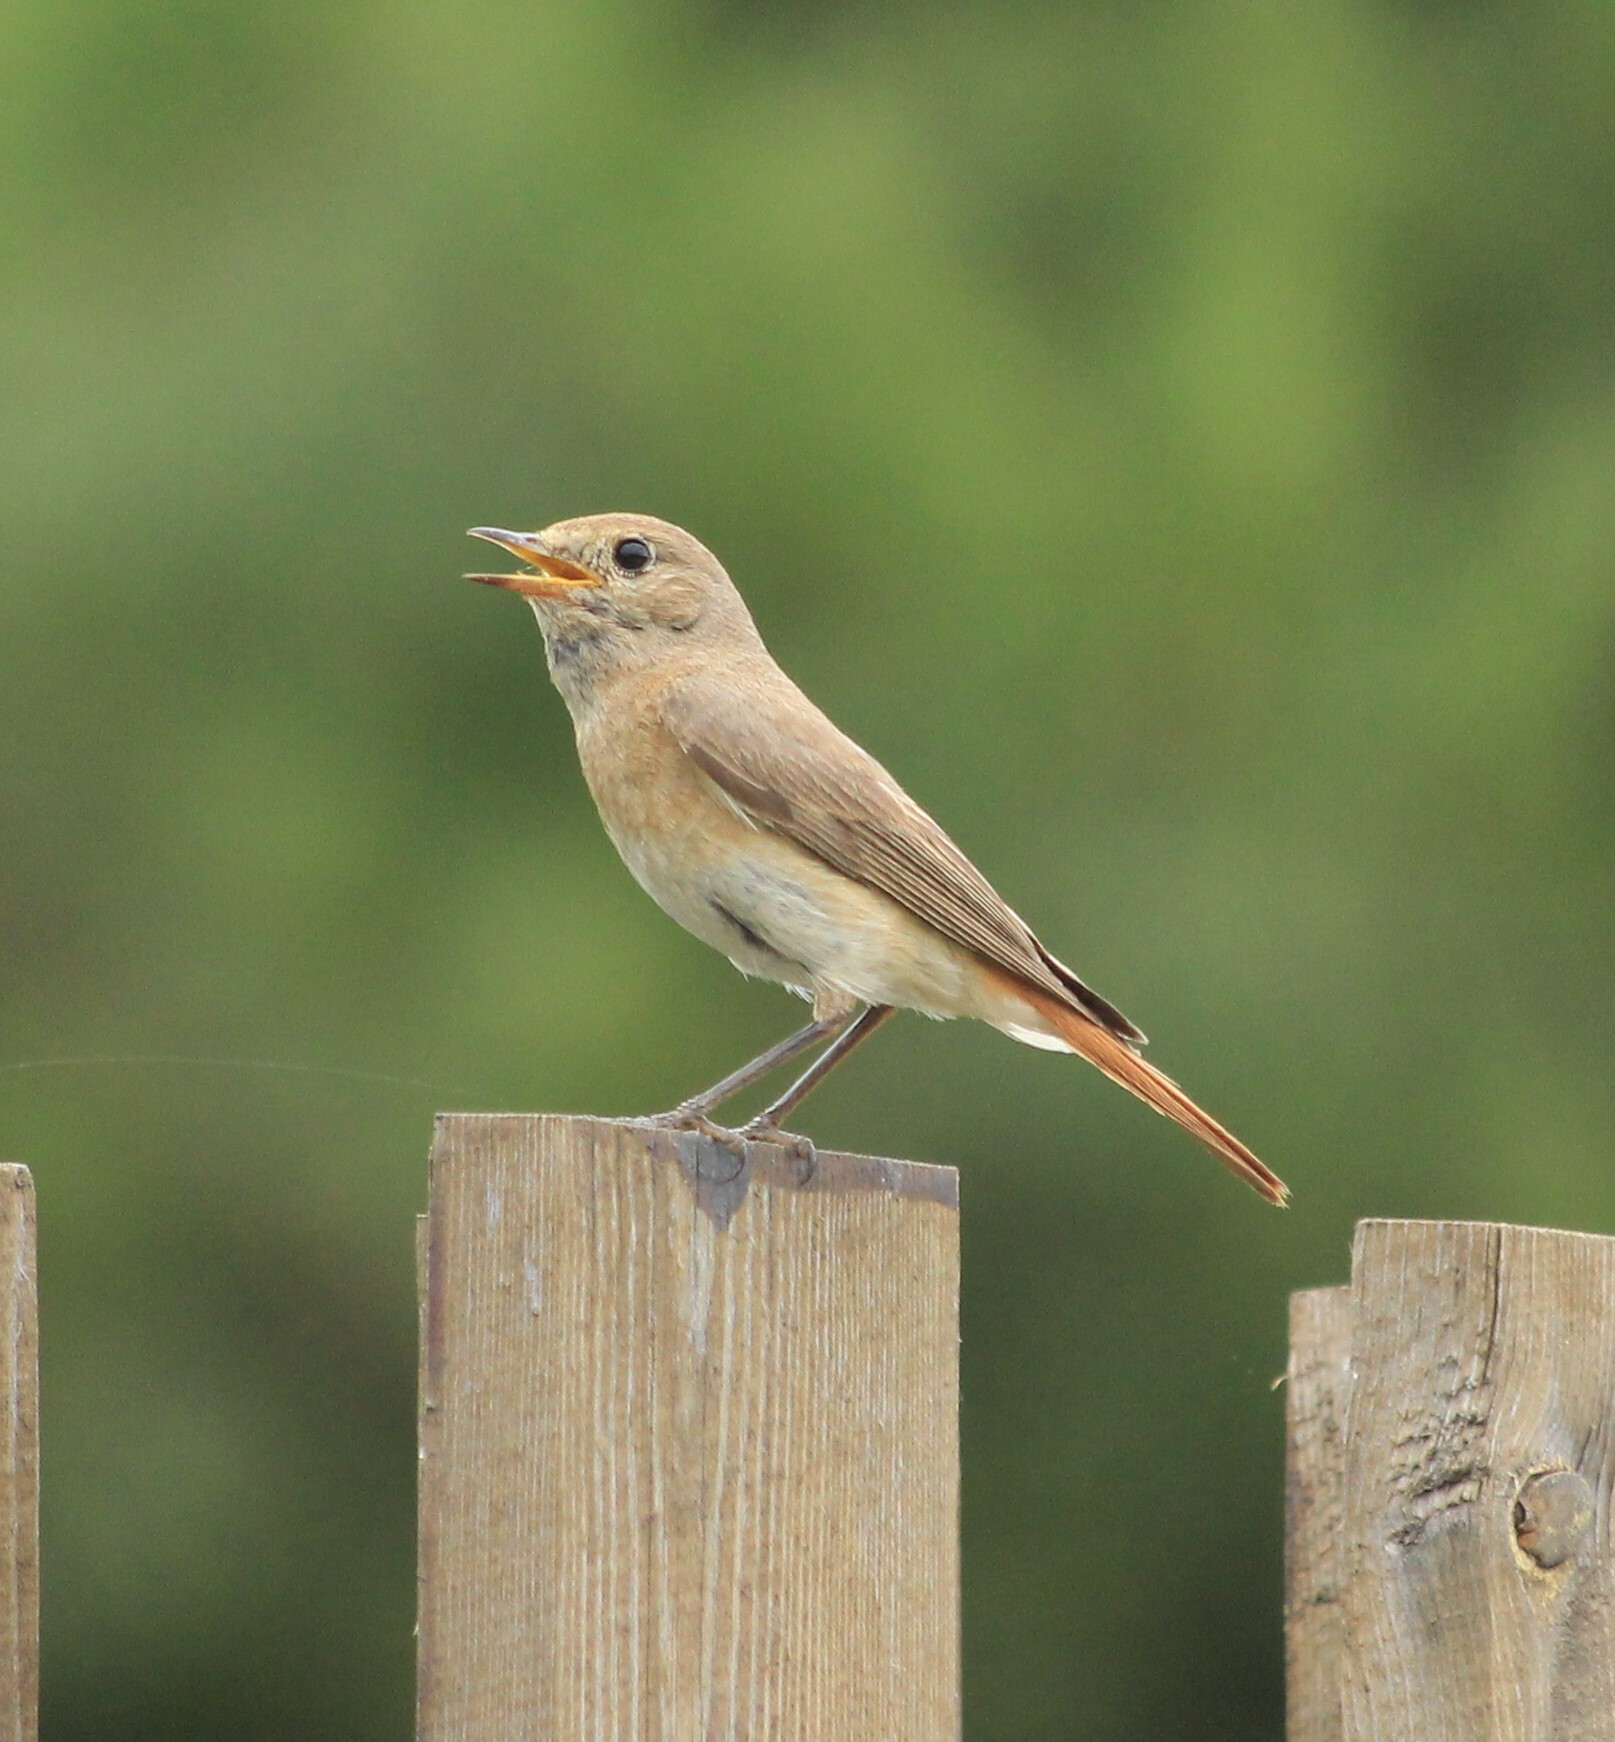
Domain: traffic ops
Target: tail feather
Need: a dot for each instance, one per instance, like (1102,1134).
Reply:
(1100,1009)
(1122,1065)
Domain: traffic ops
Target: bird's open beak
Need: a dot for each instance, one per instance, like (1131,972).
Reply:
(555,576)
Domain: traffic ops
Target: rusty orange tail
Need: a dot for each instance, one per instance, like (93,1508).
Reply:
(1122,1065)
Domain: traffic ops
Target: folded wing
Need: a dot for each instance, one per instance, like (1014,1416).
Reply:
(780,762)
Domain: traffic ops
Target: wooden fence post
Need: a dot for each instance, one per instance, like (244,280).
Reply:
(688,1442)
(19,1460)
(1451,1552)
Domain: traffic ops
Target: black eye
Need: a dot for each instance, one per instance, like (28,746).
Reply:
(632,555)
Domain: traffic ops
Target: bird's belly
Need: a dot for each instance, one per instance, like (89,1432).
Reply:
(779,913)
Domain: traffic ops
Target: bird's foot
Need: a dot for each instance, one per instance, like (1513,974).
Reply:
(688,1118)
(763,1130)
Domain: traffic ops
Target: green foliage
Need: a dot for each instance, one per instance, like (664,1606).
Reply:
(1177,440)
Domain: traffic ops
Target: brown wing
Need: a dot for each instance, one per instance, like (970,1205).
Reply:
(776,758)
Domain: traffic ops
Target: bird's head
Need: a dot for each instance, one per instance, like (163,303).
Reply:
(633,583)
(620,593)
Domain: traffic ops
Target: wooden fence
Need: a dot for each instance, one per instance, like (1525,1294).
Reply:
(689,1440)
(19,1461)
(689,1457)
(1450,1571)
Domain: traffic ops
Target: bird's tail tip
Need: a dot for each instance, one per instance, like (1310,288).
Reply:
(1123,1065)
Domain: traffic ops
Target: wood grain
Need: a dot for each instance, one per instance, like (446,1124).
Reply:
(1476,1556)
(19,1460)
(689,1458)
(1317,1395)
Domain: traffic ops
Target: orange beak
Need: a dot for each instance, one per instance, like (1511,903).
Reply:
(555,576)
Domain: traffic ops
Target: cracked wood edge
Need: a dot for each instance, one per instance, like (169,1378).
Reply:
(1316,1400)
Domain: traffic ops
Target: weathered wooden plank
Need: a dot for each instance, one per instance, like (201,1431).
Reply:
(1478,1580)
(1317,1395)
(689,1463)
(19,1460)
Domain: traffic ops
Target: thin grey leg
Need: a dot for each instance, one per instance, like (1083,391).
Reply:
(695,1114)
(768,1123)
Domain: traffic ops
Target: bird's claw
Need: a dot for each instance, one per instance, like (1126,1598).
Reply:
(761,1130)
(693,1119)
(758,1130)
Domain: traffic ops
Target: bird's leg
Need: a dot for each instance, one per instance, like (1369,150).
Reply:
(768,1125)
(695,1113)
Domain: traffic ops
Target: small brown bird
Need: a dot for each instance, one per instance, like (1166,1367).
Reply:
(758,826)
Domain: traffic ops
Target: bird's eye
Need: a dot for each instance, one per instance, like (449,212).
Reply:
(631,555)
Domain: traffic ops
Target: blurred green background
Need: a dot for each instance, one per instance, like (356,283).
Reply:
(1179,440)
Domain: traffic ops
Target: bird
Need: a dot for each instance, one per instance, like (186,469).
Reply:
(764,830)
